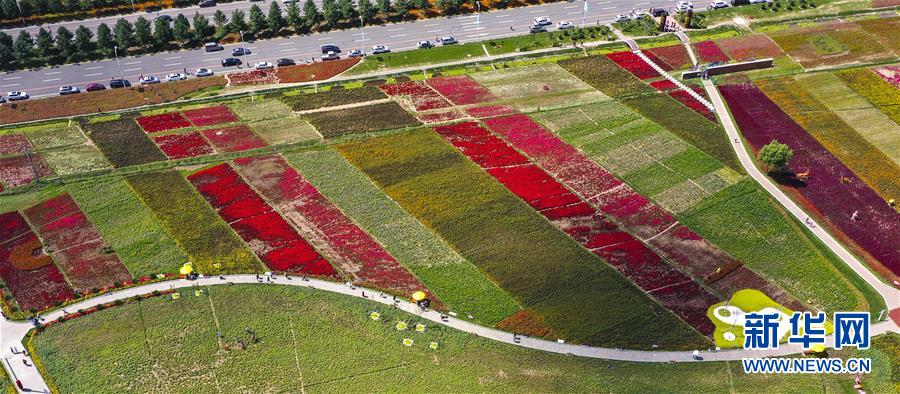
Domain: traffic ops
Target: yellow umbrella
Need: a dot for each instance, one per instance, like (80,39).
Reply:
(187,268)
(419,295)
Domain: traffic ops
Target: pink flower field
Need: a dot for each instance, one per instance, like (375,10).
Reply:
(709,52)
(16,171)
(211,116)
(179,146)
(163,122)
(890,74)
(489,111)
(29,274)
(422,96)
(234,138)
(14,143)
(633,64)
(461,90)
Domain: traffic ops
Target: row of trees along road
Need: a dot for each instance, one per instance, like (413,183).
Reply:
(146,36)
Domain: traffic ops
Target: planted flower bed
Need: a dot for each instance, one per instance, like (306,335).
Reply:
(318,71)
(675,56)
(14,143)
(179,146)
(332,98)
(890,74)
(124,143)
(270,237)
(77,246)
(461,90)
(832,189)
(253,77)
(28,273)
(749,47)
(333,233)
(420,96)
(634,64)
(234,138)
(664,85)
(16,171)
(709,52)
(211,116)
(489,111)
(689,101)
(162,122)
(441,116)
(382,116)
(876,90)
(605,76)
(582,222)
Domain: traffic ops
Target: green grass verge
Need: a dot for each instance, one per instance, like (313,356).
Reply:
(417,57)
(576,294)
(129,227)
(454,280)
(321,342)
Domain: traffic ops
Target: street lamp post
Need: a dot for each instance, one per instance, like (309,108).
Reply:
(478,19)
(116,52)
(584,14)
(242,36)
(362,29)
(21,14)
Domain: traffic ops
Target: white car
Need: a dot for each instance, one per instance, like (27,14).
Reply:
(263,66)
(683,6)
(758,1)
(331,55)
(175,77)
(564,25)
(379,49)
(718,4)
(16,96)
(448,40)
(204,72)
(622,18)
(356,53)
(66,90)
(149,80)
(542,21)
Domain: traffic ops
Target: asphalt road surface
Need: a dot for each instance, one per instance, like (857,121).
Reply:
(398,36)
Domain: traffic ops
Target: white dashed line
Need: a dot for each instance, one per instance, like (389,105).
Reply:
(210,60)
(132,69)
(575,13)
(431,24)
(323,39)
(399,29)
(94,68)
(535,11)
(93,75)
(54,73)
(608,8)
(571,6)
(12,84)
(172,58)
(435,31)
(286,50)
(171,64)
(11,78)
(285,43)
(130,63)
(398,35)
(52,79)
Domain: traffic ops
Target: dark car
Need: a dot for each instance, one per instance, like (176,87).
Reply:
(330,48)
(240,51)
(213,47)
(119,83)
(285,62)
(230,62)
(165,18)
(658,12)
(207,3)
(94,87)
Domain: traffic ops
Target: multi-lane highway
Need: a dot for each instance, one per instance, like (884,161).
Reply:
(399,36)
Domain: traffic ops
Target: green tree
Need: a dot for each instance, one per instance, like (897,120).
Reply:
(366,10)
(7,59)
(311,14)
(776,156)
(143,37)
(44,44)
(449,7)
(238,22)
(105,40)
(23,49)
(348,11)
(181,29)
(384,7)
(275,19)
(331,12)
(402,7)
(124,32)
(84,46)
(257,20)
(294,19)
(221,22)
(64,47)
(202,30)
(162,32)
(11,11)
(421,5)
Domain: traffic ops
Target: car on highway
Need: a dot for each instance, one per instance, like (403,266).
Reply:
(119,83)
(207,3)
(230,62)
(542,21)
(149,80)
(658,12)
(379,49)
(757,1)
(330,48)
(288,2)
(165,18)
(356,53)
(717,4)
(537,29)
(621,18)
(204,72)
(93,87)
(17,96)
(2,100)
(331,55)
(175,77)
(240,51)
(285,62)
(263,65)
(425,45)
(683,6)
(66,90)
(565,25)
(213,47)
(448,40)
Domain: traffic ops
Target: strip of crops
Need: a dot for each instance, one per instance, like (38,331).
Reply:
(878,91)
(605,76)
(124,142)
(361,119)
(333,98)
(461,90)
(28,273)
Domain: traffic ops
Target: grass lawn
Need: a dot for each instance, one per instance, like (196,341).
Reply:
(418,57)
(320,342)
(755,12)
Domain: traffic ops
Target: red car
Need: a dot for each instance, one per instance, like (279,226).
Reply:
(94,87)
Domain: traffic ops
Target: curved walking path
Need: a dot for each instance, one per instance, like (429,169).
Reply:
(13,333)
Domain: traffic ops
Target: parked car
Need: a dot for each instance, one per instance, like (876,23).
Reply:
(17,96)
(565,25)
(240,51)
(759,1)
(175,77)
(204,72)
(331,55)
(330,48)
(2,100)
(621,18)
(448,40)
(207,3)
(213,47)
(166,18)
(93,87)
(66,90)
(230,62)
(356,53)
(717,4)
(119,83)
(658,12)
(683,6)
(379,49)
(285,62)
(425,45)
(263,65)
(537,29)
(149,80)
(288,2)
(542,21)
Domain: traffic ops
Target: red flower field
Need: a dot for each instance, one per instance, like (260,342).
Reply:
(709,52)
(675,56)
(489,111)
(253,77)
(29,274)
(657,61)
(685,98)
(443,116)
(423,97)
(333,233)
(461,90)
(14,143)
(76,244)
(17,171)
(234,138)
(270,237)
(631,62)
(664,85)
(179,146)
(747,47)
(832,190)
(162,122)
(583,223)
(211,116)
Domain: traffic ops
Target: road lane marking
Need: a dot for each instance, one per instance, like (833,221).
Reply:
(324,39)
(172,58)
(285,43)
(130,63)
(642,3)
(435,31)
(171,65)
(12,84)
(571,6)
(283,50)
(52,79)
(535,11)
(608,8)
(398,29)
(54,73)
(398,35)
(431,24)
(132,69)
(575,13)
(11,78)
(93,75)
(210,60)
(94,68)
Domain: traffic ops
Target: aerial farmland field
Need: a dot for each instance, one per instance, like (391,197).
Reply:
(580,220)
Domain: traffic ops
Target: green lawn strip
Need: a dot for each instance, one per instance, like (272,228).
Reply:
(454,280)
(130,228)
(855,111)
(316,341)
(715,33)
(746,223)
(284,130)
(877,91)
(781,65)
(638,27)
(530,42)
(357,120)
(605,76)
(581,298)
(866,161)
(198,230)
(75,159)
(332,98)
(417,57)
(259,109)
